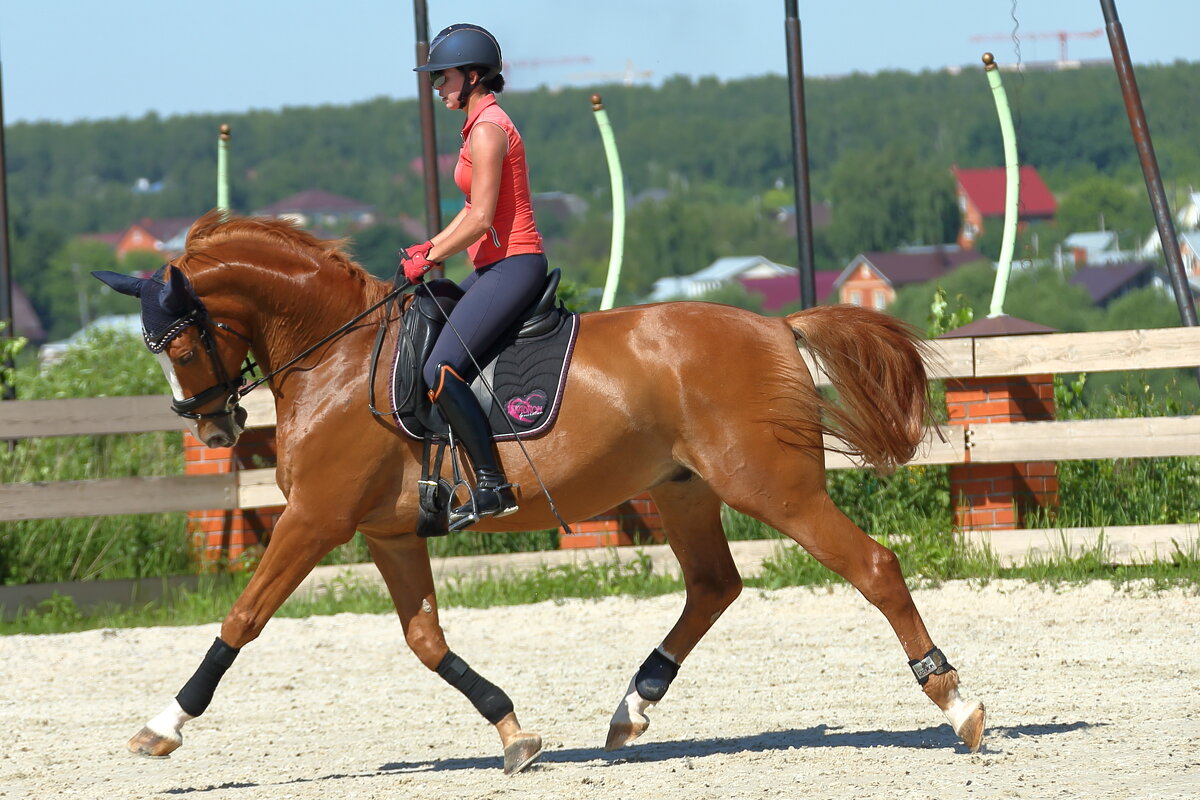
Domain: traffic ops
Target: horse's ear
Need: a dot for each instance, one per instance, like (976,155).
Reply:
(176,295)
(125,284)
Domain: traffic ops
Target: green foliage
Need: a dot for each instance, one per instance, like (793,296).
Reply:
(1103,203)
(127,546)
(880,145)
(889,197)
(469,543)
(942,319)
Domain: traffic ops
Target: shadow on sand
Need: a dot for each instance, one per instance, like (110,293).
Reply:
(939,737)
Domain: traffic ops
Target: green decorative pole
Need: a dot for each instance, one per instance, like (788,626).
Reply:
(1012,192)
(223,171)
(618,203)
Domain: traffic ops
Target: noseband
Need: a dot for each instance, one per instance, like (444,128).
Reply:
(232,388)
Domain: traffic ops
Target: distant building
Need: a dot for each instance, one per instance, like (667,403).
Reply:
(781,291)
(1189,251)
(981,197)
(822,217)
(1188,220)
(316,208)
(871,279)
(164,236)
(25,318)
(560,206)
(1094,248)
(721,272)
(1105,283)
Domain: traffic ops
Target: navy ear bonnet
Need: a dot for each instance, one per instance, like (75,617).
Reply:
(168,306)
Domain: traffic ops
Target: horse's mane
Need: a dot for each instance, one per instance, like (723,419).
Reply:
(215,228)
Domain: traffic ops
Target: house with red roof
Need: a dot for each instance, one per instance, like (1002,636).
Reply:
(154,236)
(871,279)
(981,197)
(780,291)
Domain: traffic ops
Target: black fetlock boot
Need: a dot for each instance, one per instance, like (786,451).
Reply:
(492,495)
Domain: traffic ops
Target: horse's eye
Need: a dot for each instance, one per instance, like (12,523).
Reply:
(187,357)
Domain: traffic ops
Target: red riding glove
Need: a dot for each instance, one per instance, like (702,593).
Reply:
(415,261)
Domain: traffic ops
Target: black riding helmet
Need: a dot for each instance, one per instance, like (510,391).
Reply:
(463,45)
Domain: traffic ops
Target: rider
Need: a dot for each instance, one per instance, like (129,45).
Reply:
(497,229)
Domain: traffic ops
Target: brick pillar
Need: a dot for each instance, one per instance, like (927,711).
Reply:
(635,521)
(219,536)
(999,496)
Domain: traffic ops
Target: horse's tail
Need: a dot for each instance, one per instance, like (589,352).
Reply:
(875,362)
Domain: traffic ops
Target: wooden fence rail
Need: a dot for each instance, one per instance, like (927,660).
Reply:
(953,358)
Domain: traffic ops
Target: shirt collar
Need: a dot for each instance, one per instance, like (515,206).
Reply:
(486,101)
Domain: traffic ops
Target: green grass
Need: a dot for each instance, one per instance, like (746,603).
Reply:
(927,558)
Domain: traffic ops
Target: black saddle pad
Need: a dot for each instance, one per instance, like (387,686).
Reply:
(526,379)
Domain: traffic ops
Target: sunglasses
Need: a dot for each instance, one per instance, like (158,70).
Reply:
(437,79)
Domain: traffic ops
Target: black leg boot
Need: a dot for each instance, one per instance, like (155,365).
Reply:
(492,495)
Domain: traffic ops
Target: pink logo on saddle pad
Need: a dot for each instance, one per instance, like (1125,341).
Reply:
(528,408)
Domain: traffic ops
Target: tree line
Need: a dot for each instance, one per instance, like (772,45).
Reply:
(880,149)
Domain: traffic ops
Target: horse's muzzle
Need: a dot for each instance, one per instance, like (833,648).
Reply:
(223,430)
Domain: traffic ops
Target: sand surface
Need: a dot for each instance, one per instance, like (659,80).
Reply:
(1092,693)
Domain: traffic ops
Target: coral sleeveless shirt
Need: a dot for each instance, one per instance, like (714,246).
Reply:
(513,230)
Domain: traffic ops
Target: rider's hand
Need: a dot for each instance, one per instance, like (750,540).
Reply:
(415,261)
(419,249)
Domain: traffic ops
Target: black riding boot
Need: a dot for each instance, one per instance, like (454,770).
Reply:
(492,495)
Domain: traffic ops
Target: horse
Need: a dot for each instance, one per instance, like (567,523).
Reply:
(700,404)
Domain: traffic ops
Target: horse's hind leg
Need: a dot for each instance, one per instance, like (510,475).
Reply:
(404,563)
(691,515)
(808,515)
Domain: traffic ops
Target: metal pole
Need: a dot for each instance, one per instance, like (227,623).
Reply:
(223,170)
(1012,192)
(1145,148)
(7,392)
(433,206)
(617,179)
(808,290)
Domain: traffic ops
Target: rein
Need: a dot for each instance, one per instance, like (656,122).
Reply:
(237,388)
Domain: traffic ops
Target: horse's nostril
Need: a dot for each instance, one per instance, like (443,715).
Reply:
(219,440)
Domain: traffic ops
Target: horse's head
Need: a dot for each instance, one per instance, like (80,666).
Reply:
(199,355)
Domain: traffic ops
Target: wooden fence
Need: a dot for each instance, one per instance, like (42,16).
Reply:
(966,358)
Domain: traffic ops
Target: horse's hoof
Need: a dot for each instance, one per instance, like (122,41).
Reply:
(522,752)
(970,730)
(623,732)
(154,745)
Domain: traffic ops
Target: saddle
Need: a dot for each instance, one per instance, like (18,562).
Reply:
(525,371)
(520,382)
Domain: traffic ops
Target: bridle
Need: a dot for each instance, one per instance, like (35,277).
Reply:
(234,387)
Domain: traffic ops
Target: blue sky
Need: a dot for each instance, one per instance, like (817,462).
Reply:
(66,60)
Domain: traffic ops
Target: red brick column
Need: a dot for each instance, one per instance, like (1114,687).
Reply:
(220,537)
(635,521)
(999,496)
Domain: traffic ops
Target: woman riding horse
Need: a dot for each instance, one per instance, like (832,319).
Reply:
(497,229)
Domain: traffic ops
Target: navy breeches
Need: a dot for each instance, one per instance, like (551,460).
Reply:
(494,296)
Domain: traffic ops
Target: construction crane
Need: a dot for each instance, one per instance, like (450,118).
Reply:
(1062,37)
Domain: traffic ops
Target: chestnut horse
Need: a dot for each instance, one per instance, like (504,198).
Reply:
(700,404)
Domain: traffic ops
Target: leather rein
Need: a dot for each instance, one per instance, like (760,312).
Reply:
(234,388)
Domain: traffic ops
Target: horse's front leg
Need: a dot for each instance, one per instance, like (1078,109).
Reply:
(298,543)
(691,517)
(403,561)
